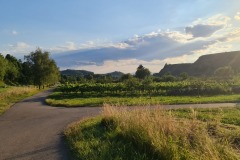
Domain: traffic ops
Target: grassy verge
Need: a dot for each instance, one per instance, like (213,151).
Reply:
(11,95)
(76,100)
(155,134)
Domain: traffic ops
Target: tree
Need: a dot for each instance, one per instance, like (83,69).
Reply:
(26,76)
(44,69)
(142,72)
(2,67)
(126,77)
(168,77)
(13,70)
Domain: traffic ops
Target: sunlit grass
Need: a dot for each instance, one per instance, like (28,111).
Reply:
(77,100)
(121,133)
(11,95)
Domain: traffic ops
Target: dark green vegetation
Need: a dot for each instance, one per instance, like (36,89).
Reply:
(157,134)
(133,91)
(36,69)
(82,76)
(78,73)
(206,65)
(216,79)
(11,95)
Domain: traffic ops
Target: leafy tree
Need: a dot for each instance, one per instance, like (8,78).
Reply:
(13,69)
(26,76)
(2,67)
(147,83)
(44,69)
(126,77)
(142,72)
(132,84)
(167,77)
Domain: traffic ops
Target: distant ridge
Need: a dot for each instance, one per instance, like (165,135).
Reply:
(82,73)
(206,65)
(115,74)
(71,72)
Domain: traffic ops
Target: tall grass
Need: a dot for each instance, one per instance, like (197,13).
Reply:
(11,95)
(168,137)
(147,133)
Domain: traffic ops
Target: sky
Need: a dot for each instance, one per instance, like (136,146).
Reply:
(104,35)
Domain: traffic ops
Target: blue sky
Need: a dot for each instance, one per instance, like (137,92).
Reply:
(128,32)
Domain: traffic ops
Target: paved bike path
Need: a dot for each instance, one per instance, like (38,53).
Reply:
(32,130)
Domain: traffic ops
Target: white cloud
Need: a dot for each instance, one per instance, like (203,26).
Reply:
(22,46)
(68,46)
(205,36)
(130,65)
(72,46)
(218,19)
(14,32)
(237,16)
(18,49)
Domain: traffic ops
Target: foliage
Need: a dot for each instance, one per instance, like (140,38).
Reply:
(44,69)
(3,67)
(147,86)
(13,70)
(38,69)
(142,72)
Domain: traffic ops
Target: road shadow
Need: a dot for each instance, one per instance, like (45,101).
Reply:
(60,150)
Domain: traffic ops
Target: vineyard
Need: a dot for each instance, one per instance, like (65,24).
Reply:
(181,88)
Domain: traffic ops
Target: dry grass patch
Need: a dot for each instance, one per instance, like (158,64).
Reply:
(11,95)
(153,134)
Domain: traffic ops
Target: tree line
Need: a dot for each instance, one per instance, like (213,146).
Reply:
(37,68)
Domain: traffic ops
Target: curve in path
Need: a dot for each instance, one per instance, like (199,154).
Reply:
(33,130)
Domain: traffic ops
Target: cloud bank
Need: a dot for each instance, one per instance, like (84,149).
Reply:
(204,36)
(215,34)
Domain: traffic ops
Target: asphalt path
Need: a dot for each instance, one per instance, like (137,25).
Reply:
(32,130)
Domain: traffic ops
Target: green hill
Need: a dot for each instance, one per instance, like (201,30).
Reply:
(116,74)
(206,65)
(71,72)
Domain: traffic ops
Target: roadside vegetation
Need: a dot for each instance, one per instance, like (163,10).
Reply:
(37,69)
(11,95)
(19,79)
(146,133)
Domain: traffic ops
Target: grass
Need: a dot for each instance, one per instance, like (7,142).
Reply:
(77,100)
(141,133)
(11,95)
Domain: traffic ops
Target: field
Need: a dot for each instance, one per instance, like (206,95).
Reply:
(157,134)
(11,95)
(144,92)
(77,100)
